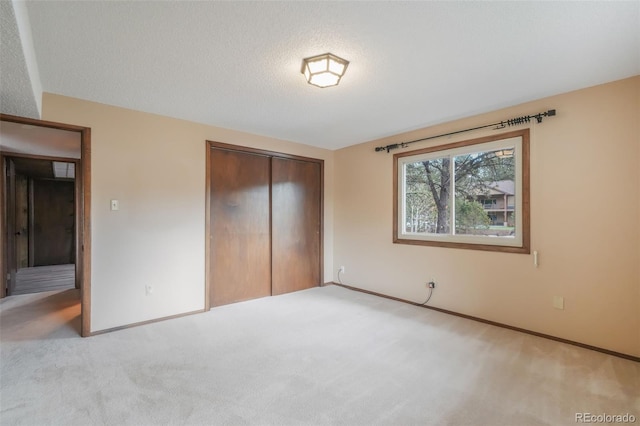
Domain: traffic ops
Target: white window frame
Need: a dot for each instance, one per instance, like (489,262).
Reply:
(519,243)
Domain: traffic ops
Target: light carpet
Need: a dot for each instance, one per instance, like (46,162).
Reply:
(325,356)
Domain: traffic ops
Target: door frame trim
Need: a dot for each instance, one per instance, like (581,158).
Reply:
(82,206)
(209,145)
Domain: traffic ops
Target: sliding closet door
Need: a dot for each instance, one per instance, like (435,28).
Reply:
(240,226)
(295,215)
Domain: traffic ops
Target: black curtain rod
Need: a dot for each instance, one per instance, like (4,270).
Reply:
(499,125)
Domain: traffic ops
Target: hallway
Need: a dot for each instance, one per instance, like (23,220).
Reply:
(44,278)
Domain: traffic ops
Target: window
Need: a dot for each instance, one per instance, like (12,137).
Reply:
(472,194)
(489,203)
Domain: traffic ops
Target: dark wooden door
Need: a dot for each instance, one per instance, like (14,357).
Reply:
(296,192)
(22,221)
(53,222)
(12,261)
(240,226)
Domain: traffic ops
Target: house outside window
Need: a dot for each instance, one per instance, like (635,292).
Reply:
(498,200)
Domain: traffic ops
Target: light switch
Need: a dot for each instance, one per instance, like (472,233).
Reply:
(115,205)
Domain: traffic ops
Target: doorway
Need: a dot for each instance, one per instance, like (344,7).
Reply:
(45,207)
(41,217)
(264,223)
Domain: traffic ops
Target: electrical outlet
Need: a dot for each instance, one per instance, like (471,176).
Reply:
(342,270)
(148,289)
(558,302)
(431,284)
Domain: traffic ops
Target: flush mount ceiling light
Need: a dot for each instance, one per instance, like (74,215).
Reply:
(64,170)
(324,70)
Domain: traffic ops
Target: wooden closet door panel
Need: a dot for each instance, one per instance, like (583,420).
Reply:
(240,227)
(295,241)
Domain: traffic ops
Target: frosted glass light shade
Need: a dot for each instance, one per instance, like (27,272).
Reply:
(324,70)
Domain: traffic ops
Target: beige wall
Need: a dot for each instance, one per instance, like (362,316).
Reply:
(155,167)
(589,248)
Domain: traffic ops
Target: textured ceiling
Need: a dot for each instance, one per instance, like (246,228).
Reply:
(17,94)
(237,64)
